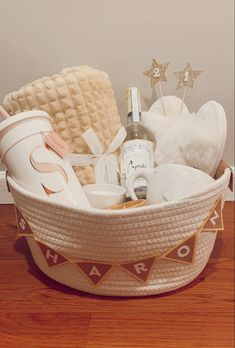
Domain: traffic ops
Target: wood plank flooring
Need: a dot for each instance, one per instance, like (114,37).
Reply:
(37,312)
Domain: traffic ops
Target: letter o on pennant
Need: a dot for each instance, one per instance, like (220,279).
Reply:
(183,251)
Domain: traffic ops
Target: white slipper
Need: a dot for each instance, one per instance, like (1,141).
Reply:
(172,106)
(216,110)
(196,140)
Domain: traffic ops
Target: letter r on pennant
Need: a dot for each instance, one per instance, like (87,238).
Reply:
(140,267)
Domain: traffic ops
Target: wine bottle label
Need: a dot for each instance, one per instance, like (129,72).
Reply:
(136,154)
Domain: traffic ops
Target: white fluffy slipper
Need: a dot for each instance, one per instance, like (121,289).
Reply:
(196,140)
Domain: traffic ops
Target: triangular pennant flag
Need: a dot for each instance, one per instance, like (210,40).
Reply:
(52,257)
(22,225)
(140,269)
(94,271)
(214,221)
(183,252)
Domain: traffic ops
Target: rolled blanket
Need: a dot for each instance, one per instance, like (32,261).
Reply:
(78,98)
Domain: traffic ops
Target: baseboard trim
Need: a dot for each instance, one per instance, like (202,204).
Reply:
(5,196)
(230,196)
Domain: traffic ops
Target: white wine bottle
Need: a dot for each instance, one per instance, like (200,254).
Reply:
(137,150)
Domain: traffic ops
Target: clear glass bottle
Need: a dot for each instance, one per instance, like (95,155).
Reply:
(137,150)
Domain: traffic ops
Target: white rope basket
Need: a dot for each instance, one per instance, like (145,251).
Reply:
(119,237)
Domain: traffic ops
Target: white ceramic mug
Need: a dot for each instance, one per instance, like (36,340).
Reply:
(104,195)
(169,182)
(32,164)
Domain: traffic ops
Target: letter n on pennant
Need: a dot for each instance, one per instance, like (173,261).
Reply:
(94,271)
(22,225)
(52,257)
(214,222)
(140,269)
(183,252)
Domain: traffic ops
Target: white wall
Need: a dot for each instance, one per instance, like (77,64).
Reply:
(39,37)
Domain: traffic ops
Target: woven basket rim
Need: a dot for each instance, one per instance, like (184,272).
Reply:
(103,212)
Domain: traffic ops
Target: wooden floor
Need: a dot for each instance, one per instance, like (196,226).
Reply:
(38,312)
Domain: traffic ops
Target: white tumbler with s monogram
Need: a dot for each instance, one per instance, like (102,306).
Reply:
(33,165)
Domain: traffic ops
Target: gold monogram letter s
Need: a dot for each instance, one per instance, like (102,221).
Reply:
(47,168)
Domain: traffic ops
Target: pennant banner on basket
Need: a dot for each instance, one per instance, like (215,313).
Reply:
(183,252)
(214,222)
(94,271)
(23,227)
(140,269)
(52,257)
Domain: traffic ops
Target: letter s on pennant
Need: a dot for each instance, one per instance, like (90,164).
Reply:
(48,168)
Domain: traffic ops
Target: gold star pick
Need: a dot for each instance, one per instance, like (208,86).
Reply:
(156,72)
(187,76)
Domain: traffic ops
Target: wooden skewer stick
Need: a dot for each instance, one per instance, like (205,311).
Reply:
(162,102)
(183,99)
(3,112)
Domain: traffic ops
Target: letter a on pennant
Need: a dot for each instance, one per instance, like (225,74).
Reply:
(52,257)
(22,225)
(94,271)
(183,252)
(214,222)
(140,269)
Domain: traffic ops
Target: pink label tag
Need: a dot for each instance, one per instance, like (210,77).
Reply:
(54,141)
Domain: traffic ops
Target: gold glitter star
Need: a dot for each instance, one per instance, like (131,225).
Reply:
(187,76)
(156,72)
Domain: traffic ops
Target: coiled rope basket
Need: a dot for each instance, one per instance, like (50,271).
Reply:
(118,237)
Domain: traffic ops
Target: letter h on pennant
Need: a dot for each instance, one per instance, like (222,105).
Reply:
(52,257)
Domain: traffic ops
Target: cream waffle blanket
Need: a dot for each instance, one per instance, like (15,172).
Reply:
(78,98)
